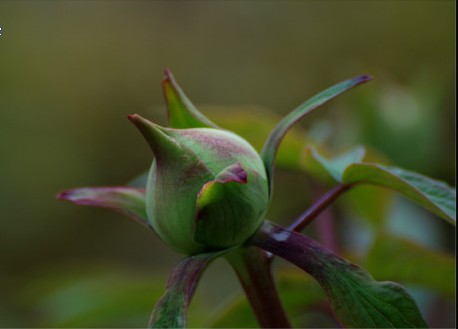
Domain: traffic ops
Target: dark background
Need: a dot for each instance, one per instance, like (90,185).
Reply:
(70,72)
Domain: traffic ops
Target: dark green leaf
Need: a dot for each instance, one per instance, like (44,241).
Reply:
(272,144)
(356,298)
(434,195)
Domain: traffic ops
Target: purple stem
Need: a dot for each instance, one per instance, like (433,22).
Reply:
(254,272)
(326,231)
(318,207)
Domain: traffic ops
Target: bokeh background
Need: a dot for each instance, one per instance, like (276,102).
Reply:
(71,71)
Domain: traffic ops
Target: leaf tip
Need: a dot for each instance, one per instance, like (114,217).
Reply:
(140,122)
(65,195)
(167,73)
(364,78)
(73,196)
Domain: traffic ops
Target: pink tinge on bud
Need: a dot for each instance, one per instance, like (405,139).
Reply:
(234,173)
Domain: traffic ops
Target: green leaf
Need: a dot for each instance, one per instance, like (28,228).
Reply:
(399,259)
(436,196)
(433,195)
(181,112)
(171,309)
(333,168)
(126,200)
(356,298)
(272,144)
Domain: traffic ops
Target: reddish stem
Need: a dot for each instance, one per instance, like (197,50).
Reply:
(254,272)
(318,207)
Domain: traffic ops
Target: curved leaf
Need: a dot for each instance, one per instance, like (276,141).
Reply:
(436,196)
(171,309)
(126,200)
(270,148)
(356,298)
(181,112)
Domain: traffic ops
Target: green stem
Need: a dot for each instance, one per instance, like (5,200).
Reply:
(254,272)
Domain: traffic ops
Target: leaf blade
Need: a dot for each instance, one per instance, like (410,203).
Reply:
(356,298)
(436,196)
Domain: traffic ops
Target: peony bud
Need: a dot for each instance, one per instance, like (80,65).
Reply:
(207,188)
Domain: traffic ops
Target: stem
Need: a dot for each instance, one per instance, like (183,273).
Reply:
(255,275)
(326,231)
(317,208)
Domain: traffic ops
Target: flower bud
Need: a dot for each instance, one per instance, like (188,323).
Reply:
(207,188)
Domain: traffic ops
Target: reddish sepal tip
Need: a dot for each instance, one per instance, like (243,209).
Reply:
(65,195)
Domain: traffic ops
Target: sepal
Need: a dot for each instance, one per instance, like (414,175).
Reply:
(126,200)
(181,112)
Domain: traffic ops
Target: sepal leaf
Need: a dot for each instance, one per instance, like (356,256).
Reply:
(126,200)
(357,300)
(181,112)
(163,146)
(272,144)
(222,204)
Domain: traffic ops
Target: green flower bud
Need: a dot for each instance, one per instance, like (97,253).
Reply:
(207,188)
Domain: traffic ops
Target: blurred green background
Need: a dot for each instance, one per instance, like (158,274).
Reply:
(70,73)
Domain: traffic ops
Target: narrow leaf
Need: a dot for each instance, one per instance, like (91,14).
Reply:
(436,196)
(171,309)
(126,200)
(410,263)
(181,112)
(357,300)
(272,144)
